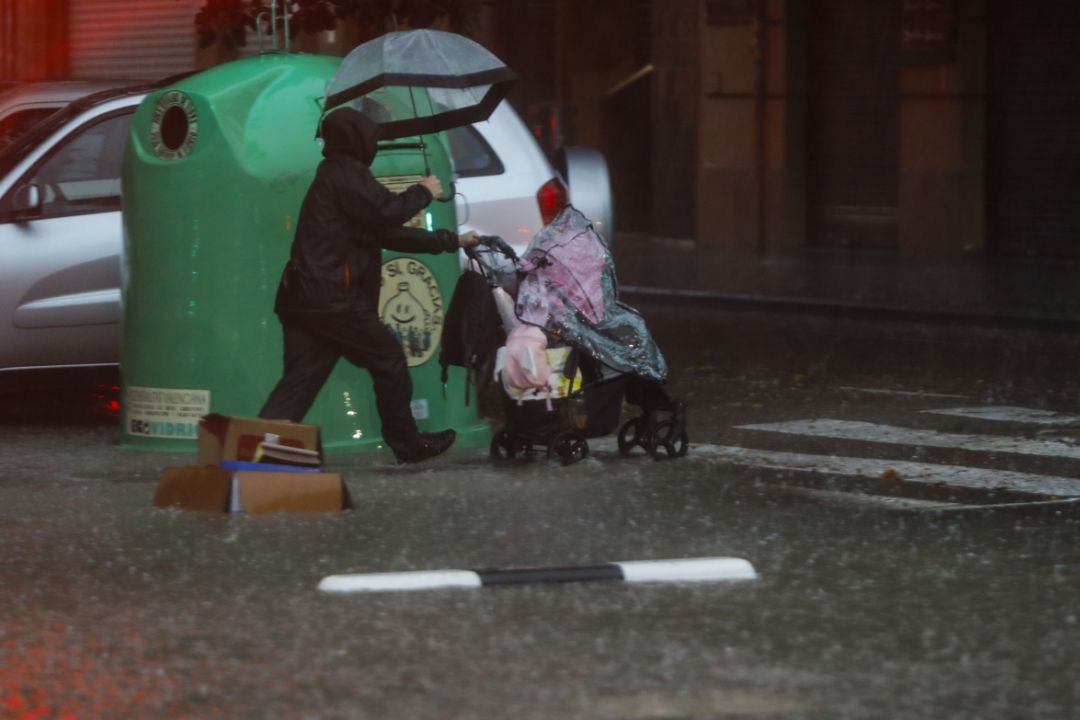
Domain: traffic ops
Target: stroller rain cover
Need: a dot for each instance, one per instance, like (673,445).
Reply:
(569,289)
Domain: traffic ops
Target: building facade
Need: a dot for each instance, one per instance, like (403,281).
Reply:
(932,129)
(923,129)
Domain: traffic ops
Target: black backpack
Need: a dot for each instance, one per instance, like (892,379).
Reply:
(472,331)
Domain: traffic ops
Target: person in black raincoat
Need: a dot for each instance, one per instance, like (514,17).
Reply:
(327,300)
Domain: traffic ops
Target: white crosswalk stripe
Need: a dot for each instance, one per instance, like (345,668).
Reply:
(873,471)
(900,393)
(923,473)
(892,435)
(1009,413)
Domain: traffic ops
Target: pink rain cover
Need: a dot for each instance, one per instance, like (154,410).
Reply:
(565,285)
(565,266)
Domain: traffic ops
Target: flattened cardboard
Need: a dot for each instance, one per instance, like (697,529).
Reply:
(231,438)
(212,489)
(194,487)
(264,492)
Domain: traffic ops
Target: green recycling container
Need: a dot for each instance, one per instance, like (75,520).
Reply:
(216,168)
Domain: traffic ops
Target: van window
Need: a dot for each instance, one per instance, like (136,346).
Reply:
(472,155)
(82,175)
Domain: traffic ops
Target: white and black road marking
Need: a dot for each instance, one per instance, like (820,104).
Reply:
(685,570)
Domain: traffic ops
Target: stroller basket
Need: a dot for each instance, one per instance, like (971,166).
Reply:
(591,409)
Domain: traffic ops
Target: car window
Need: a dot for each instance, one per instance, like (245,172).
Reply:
(83,174)
(472,155)
(17,123)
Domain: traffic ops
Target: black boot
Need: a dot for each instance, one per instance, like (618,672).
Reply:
(424,446)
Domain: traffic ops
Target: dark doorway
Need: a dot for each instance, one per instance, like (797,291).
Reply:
(854,108)
(1033,130)
(628,147)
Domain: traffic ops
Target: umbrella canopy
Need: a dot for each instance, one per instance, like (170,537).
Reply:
(462,82)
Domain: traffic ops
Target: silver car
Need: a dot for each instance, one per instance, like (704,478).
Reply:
(23,105)
(60,223)
(60,235)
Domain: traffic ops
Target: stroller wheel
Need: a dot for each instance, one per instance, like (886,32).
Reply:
(669,437)
(506,446)
(629,436)
(569,446)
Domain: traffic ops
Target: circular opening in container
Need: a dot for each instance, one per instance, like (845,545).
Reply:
(174,128)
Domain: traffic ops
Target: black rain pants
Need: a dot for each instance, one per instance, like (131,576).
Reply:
(313,344)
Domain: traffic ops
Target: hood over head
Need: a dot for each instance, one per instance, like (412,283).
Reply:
(348,133)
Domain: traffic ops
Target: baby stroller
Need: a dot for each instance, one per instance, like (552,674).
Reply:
(573,351)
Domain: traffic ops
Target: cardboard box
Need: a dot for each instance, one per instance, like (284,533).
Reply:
(264,492)
(208,488)
(251,439)
(195,488)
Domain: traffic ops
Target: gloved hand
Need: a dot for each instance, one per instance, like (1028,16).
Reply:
(433,186)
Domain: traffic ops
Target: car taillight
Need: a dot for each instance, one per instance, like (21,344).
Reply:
(552,199)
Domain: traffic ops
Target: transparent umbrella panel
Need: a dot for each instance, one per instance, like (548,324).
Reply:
(448,79)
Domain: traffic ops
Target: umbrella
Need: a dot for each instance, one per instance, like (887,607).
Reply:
(462,82)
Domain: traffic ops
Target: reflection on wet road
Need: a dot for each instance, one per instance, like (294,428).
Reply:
(873,600)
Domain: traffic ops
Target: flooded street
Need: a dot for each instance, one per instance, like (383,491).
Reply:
(879,595)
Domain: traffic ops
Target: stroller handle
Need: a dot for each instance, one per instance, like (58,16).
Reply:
(496,260)
(493,243)
(496,243)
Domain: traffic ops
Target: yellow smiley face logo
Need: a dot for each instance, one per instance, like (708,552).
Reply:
(411,305)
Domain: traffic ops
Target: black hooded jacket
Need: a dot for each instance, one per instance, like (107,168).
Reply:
(346,218)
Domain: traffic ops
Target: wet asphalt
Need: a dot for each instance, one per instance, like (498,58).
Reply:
(865,607)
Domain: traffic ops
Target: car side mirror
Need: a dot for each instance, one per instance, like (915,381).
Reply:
(27,200)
